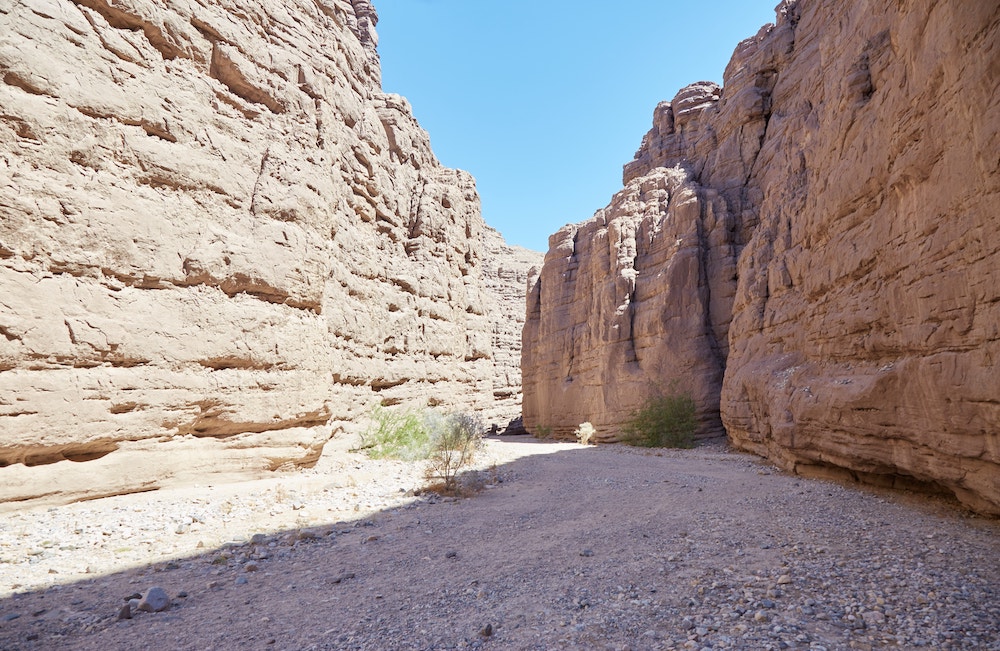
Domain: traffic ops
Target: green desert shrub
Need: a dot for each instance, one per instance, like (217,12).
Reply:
(667,420)
(541,432)
(396,434)
(447,442)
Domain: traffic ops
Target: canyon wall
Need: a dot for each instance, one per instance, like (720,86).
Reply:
(221,243)
(847,180)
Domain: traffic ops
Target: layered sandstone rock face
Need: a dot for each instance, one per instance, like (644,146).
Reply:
(849,164)
(867,322)
(507,271)
(220,244)
(620,308)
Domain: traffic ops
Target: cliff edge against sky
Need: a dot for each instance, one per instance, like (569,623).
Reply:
(221,243)
(808,250)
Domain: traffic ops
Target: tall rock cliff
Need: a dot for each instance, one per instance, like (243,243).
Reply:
(220,243)
(836,265)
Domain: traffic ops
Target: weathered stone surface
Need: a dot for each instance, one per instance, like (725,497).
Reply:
(220,244)
(850,165)
(866,322)
(619,310)
(507,271)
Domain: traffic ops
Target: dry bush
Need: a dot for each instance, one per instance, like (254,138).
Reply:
(584,433)
(455,440)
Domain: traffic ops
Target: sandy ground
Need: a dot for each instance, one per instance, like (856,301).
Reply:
(562,547)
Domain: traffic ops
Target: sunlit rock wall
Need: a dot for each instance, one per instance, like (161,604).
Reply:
(846,183)
(220,244)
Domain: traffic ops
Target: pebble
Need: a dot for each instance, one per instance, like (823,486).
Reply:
(154,600)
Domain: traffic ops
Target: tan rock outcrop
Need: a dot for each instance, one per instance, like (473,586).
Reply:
(507,271)
(850,165)
(220,244)
(866,323)
(620,308)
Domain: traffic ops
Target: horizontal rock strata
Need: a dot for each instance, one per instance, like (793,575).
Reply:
(620,308)
(848,179)
(220,244)
(866,321)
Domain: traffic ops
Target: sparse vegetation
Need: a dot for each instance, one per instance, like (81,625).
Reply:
(454,444)
(667,420)
(541,432)
(399,434)
(584,433)
(447,442)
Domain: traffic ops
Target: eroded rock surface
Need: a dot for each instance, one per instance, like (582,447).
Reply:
(620,307)
(220,244)
(848,180)
(507,271)
(866,332)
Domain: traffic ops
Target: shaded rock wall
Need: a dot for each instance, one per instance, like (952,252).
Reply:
(220,244)
(507,271)
(850,162)
(866,323)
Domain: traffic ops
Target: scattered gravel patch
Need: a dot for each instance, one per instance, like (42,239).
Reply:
(582,548)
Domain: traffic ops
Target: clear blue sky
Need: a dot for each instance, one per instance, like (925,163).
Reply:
(543,101)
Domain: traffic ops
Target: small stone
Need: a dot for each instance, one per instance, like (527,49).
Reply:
(125,612)
(760,616)
(258,539)
(587,552)
(784,579)
(241,580)
(487,630)
(451,554)
(251,567)
(155,600)
(873,618)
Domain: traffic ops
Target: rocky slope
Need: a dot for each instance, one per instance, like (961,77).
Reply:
(220,244)
(829,218)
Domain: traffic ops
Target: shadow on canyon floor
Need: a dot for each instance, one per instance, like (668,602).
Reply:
(605,547)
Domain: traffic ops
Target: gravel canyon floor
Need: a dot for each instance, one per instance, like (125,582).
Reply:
(563,547)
